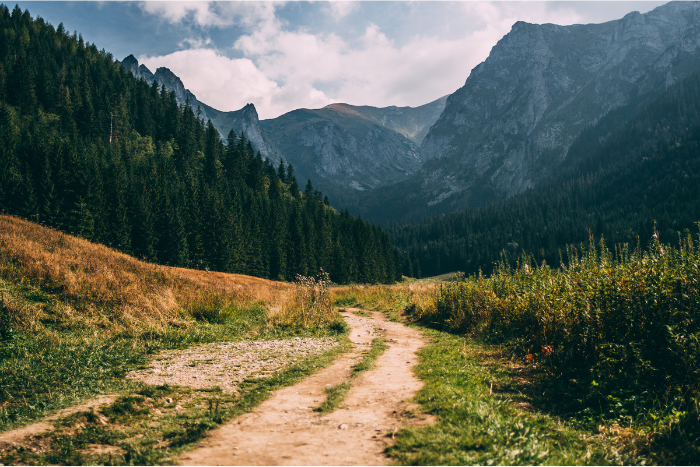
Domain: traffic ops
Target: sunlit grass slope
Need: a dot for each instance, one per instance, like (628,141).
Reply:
(75,316)
(95,286)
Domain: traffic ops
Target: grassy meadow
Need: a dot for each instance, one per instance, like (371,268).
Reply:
(76,317)
(592,363)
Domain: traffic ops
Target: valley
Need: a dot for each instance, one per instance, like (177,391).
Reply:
(340,362)
(508,129)
(507,274)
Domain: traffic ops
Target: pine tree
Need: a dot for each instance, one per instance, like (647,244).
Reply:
(281,171)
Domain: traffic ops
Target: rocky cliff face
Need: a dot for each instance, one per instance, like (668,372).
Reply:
(246,122)
(243,121)
(513,121)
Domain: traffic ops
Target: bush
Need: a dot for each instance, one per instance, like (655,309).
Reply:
(625,326)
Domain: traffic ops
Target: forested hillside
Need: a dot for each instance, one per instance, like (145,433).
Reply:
(637,165)
(88,148)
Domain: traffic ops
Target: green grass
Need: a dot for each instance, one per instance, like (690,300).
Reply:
(345,300)
(336,396)
(338,393)
(477,427)
(369,360)
(361,313)
(54,366)
(617,332)
(143,428)
(50,370)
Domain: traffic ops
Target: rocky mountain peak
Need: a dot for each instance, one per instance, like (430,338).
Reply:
(130,63)
(243,121)
(250,111)
(519,111)
(165,76)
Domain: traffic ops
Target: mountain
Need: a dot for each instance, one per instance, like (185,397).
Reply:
(87,148)
(412,122)
(621,186)
(243,121)
(343,149)
(512,123)
(348,149)
(164,77)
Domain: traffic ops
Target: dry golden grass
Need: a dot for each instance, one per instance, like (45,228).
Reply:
(385,297)
(310,304)
(101,287)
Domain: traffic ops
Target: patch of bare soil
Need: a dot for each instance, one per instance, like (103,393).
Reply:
(226,365)
(14,437)
(284,430)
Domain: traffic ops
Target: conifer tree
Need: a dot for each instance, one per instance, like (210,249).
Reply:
(89,149)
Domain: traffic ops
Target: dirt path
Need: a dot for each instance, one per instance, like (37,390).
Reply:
(284,430)
(12,437)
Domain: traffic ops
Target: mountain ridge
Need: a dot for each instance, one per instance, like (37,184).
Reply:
(519,111)
(512,123)
(243,121)
(347,149)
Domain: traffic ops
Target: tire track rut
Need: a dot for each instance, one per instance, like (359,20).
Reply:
(284,430)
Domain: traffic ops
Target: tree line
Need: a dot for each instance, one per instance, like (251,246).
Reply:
(635,172)
(91,150)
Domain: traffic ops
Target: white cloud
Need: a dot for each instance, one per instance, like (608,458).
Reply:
(195,42)
(224,83)
(340,9)
(287,68)
(211,14)
(178,11)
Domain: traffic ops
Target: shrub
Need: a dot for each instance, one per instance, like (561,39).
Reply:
(623,324)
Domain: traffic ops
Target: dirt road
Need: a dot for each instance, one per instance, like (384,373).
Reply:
(284,430)
(9,438)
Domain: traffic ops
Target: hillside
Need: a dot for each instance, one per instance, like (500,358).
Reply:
(78,320)
(622,185)
(106,288)
(349,150)
(342,151)
(511,125)
(90,149)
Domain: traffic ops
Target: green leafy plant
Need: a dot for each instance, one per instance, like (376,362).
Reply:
(620,328)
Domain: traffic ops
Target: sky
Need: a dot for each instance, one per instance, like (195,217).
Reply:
(282,56)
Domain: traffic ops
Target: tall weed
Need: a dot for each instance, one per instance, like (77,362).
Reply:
(310,305)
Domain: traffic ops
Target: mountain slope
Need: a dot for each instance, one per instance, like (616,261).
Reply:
(349,149)
(243,121)
(512,123)
(412,122)
(619,184)
(87,148)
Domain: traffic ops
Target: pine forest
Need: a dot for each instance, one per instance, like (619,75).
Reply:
(91,150)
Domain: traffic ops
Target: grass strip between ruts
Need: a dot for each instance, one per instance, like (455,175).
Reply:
(338,393)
